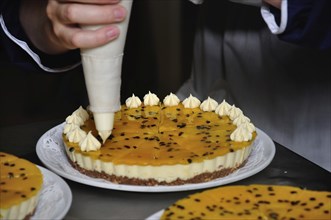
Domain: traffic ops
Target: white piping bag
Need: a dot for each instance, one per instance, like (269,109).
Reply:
(102,71)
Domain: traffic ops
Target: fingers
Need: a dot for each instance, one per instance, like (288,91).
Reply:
(99,2)
(73,38)
(86,14)
(93,14)
(275,3)
(67,17)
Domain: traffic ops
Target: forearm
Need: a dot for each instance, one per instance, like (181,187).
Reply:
(34,20)
(302,22)
(22,52)
(274,3)
(48,30)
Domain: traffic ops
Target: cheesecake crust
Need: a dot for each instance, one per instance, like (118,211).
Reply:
(203,177)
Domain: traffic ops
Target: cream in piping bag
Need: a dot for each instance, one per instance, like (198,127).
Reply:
(102,71)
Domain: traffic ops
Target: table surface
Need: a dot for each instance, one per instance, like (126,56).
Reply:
(287,168)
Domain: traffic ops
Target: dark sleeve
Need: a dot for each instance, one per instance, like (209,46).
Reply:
(21,53)
(308,24)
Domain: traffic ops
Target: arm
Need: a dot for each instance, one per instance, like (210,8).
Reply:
(60,22)
(302,22)
(50,30)
(274,3)
(22,52)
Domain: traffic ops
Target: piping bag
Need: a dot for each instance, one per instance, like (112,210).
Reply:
(102,68)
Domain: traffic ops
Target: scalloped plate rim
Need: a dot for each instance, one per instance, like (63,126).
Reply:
(67,198)
(268,153)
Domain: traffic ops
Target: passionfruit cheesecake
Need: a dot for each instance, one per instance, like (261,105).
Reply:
(162,143)
(252,202)
(20,186)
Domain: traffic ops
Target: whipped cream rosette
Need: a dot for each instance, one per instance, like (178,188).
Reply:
(151,99)
(209,105)
(102,70)
(191,102)
(133,102)
(171,100)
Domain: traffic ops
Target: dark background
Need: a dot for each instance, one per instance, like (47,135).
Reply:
(157,58)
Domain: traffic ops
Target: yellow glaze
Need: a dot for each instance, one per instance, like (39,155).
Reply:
(159,135)
(20,180)
(252,202)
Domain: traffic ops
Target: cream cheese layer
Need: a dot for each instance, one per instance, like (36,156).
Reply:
(167,173)
(21,210)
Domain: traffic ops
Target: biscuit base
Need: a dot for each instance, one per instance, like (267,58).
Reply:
(201,178)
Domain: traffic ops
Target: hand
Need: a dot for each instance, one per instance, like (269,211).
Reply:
(275,3)
(54,26)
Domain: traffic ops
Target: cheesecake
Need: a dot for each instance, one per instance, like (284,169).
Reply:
(171,142)
(252,202)
(20,186)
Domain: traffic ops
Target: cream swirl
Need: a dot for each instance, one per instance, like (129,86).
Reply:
(76,135)
(171,100)
(81,112)
(191,102)
(223,108)
(133,102)
(74,119)
(241,119)
(234,112)
(89,143)
(249,126)
(241,134)
(69,127)
(151,99)
(208,105)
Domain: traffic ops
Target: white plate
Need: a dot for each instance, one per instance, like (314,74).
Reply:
(50,150)
(55,197)
(155,216)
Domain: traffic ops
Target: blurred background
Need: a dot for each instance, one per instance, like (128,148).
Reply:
(158,55)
